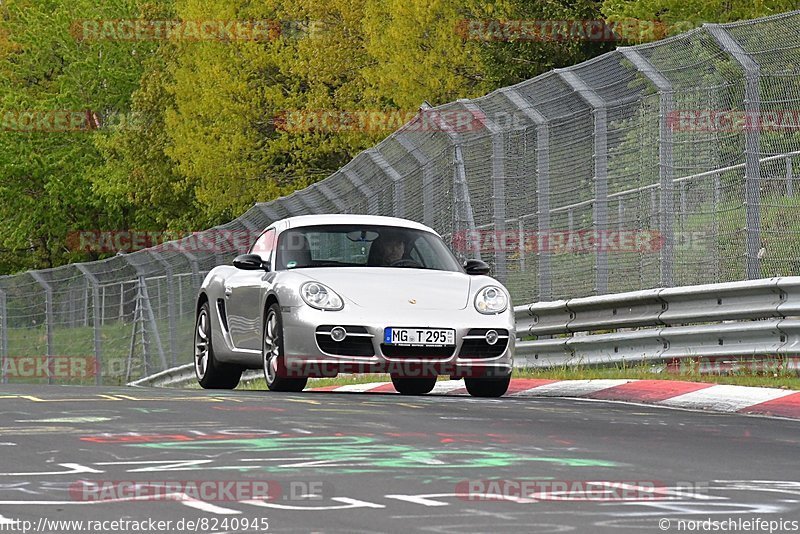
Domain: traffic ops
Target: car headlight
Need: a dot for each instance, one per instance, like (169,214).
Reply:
(320,296)
(491,299)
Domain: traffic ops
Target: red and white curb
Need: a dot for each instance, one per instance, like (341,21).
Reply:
(676,394)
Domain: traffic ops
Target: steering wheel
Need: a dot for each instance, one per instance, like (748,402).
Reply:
(406,262)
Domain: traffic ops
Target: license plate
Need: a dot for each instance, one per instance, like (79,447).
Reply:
(422,337)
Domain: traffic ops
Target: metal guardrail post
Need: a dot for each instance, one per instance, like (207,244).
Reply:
(398,190)
(752,104)
(498,185)
(666,164)
(48,307)
(98,350)
(427,175)
(3,336)
(598,106)
(373,208)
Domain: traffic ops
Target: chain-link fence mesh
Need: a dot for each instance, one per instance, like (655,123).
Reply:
(664,164)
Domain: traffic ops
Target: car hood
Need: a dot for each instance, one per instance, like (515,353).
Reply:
(389,288)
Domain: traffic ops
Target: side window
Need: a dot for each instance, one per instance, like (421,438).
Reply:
(265,245)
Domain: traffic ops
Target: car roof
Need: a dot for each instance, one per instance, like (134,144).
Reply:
(349,218)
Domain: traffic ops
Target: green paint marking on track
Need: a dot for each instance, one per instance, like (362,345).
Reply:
(360,454)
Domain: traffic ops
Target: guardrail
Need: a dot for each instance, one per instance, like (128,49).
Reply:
(756,318)
(182,376)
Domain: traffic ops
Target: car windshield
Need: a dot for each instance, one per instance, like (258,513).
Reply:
(363,246)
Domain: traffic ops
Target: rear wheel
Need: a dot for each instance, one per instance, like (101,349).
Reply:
(273,357)
(413,386)
(210,373)
(487,387)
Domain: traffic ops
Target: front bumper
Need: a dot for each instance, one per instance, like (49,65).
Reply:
(305,357)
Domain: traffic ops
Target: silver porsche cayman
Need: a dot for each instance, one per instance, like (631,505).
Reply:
(320,295)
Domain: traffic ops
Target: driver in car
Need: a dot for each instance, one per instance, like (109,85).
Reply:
(391,249)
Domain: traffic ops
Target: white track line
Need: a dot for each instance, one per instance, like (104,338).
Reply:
(570,388)
(726,398)
(444,387)
(360,388)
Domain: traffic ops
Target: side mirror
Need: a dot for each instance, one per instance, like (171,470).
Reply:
(250,262)
(476,267)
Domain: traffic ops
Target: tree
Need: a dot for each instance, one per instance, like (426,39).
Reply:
(66,86)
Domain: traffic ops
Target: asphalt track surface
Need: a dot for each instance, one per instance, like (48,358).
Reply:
(339,462)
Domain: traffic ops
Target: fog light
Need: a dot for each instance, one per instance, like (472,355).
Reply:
(491,337)
(338,333)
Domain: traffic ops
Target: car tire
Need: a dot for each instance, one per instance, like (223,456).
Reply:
(210,373)
(272,355)
(413,386)
(487,387)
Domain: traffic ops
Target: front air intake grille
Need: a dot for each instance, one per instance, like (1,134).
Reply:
(357,343)
(475,345)
(422,353)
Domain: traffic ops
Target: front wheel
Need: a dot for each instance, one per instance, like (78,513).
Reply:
(487,387)
(413,386)
(210,373)
(273,355)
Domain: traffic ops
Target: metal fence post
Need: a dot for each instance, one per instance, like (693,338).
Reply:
(665,159)
(98,353)
(464,213)
(398,191)
(171,311)
(498,185)
(598,106)
(48,312)
(542,186)
(752,105)
(427,175)
(328,193)
(309,205)
(789,177)
(147,309)
(270,213)
(373,208)
(195,269)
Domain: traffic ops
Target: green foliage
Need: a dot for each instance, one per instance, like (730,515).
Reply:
(191,134)
(683,15)
(45,185)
